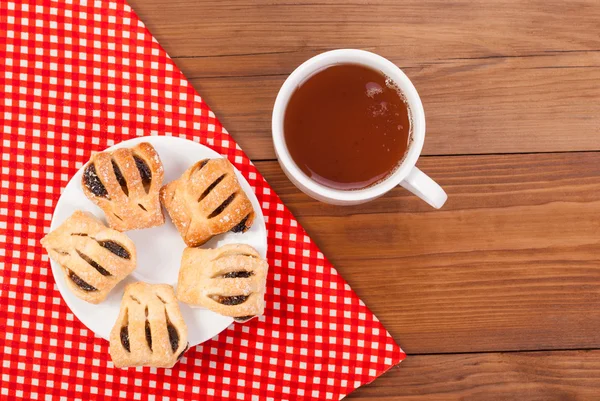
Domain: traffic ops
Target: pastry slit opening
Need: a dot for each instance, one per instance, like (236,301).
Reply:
(80,282)
(60,252)
(203,163)
(145,172)
(161,300)
(117,216)
(142,207)
(173,334)
(120,178)
(241,226)
(115,248)
(148,334)
(135,299)
(212,186)
(93,182)
(95,265)
(199,166)
(79,234)
(125,332)
(230,300)
(223,206)
(238,274)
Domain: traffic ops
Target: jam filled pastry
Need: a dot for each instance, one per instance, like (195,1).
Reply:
(207,200)
(150,330)
(125,184)
(93,257)
(230,280)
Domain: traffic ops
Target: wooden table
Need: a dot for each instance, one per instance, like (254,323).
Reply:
(496,296)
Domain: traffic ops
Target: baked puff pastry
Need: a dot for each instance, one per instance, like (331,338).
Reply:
(125,184)
(207,200)
(149,330)
(93,257)
(230,280)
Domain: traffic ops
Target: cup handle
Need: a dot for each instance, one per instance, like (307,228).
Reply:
(425,188)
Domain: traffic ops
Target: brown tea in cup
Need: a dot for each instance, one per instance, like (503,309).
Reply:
(347,127)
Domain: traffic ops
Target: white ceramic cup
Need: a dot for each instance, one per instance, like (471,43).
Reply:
(407,174)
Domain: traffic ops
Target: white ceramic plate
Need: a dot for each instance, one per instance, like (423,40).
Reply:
(158,249)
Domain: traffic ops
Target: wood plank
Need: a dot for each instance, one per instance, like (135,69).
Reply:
(512,262)
(541,103)
(531,376)
(273,64)
(411,29)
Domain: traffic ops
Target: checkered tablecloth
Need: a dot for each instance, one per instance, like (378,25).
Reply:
(79,76)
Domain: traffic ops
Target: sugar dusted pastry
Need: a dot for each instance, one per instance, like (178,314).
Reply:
(230,280)
(125,184)
(93,257)
(207,200)
(149,330)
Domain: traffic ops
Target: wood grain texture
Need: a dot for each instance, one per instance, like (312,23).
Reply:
(493,85)
(531,376)
(512,261)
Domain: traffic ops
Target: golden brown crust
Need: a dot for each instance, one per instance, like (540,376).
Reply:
(82,247)
(207,200)
(230,280)
(128,201)
(145,331)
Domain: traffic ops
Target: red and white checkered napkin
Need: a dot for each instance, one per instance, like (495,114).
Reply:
(81,77)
